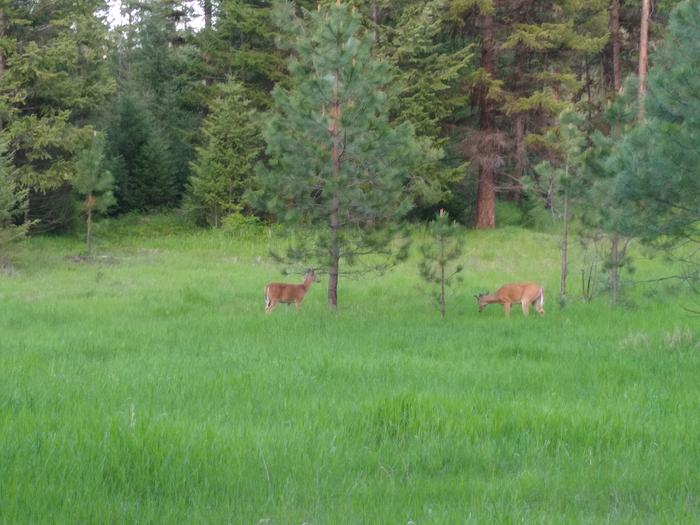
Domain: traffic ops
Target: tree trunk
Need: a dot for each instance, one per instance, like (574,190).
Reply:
(334,114)
(375,18)
(486,197)
(2,54)
(334,257)
(442,277)
(207,14)
(616,44)
(520,156)
(614,273)
(89,205)
(564,248)
(643,55)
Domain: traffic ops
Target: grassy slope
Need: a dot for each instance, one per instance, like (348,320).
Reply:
(154,389)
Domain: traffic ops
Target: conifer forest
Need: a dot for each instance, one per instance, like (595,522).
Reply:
(397,174)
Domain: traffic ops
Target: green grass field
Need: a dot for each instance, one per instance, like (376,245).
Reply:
(152,388)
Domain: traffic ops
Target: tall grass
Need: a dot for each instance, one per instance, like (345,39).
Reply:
(150,387)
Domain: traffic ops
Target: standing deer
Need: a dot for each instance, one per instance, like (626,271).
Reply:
(509,294)
(288,293)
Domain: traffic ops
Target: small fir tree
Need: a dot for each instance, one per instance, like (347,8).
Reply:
(440,251)
(140,157)
(336,165)
(13,203)
(94,184)
(223,171)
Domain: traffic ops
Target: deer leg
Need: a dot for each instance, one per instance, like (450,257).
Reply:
(526,307)
(506,309)
(269,306)
(298,305)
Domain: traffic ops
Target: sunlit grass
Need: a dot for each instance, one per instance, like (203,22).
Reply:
(151,387)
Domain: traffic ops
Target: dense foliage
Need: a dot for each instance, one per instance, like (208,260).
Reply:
(481,83)
(336,164)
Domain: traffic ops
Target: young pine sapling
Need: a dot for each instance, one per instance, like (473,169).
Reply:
(94,184)
(440,252)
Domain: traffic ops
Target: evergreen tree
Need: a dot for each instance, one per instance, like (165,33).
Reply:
(427,92)
(657,161)
(13,203)
(443,246)
(53,81)
(244,48)
(139,156)
(162,94)
(528,51)
(223,170)
(603,214)
(563,176)
(94,184)
(336,165)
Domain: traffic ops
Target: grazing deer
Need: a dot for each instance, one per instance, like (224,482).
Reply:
(508,294)
(288,293)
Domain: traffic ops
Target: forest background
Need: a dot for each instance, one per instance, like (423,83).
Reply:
(518,111)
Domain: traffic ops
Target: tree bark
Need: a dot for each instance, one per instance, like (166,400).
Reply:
(208,14)
(486,196)
(520,156)
(89,204)
(564,248)
(2,54)
(442,277)
(614,272)
(336,142)
(616,44)
(643,55)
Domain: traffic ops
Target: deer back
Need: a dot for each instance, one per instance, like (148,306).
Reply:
(517,292)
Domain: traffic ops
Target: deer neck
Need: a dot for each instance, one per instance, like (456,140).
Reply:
(490,299)
(307,283)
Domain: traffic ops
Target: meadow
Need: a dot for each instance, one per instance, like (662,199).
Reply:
(150,387)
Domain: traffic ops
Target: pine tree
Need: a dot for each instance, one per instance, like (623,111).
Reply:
(439,251)
(139,156)
(427,91)
(528,51)
(13,203)
(53,81)
(657,161)
(564,176)
(336,165)
(162,93)
(223,170)
(94,184)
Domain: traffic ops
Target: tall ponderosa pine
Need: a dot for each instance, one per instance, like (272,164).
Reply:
(658,161)
(336,165)
(527,56)
(223,170)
